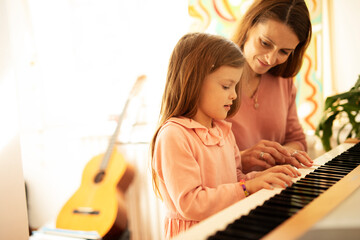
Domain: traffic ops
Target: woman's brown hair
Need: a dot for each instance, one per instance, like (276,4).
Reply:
(195,56)
(294,14)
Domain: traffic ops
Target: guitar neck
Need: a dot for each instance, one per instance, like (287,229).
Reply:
(112,142)
(135,89)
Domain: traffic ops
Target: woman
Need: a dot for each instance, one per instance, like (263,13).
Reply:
(273,36)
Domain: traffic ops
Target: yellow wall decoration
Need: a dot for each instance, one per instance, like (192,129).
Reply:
(221,17)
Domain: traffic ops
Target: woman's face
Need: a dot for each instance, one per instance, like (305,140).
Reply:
(269,44)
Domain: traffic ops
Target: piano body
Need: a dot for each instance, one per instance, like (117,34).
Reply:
(312,209)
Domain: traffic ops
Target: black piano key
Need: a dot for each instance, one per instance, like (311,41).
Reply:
(336,177)
(319,180)
(310,186)
(315,182)
(249,220)
(307,188)
(331,166)
(299,198)
(264,217)
(344,164)
(235,234)
(276,211)
(293,198)
(301,192)
(338,168)
(221,235)
(284,203)
(280,210)
(321,176)
(248,227)
(332,171)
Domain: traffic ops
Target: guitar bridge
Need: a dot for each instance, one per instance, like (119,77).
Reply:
(86,210)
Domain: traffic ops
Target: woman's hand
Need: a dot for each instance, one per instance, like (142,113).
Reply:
(281,175)
(264,154)
(298,158)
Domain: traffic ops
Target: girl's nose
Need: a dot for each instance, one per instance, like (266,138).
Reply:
(233,95)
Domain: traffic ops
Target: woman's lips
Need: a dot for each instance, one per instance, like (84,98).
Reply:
(263,64)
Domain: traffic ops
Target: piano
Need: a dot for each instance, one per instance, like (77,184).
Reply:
(292,212)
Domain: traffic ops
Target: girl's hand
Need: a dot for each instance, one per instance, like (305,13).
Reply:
(286,169)
(281,175)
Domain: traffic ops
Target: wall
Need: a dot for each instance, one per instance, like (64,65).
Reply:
(13,209)
(345,43)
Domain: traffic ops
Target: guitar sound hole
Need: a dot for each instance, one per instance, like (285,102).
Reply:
(99,177)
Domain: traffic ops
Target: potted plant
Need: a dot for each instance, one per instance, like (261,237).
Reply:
(343,108)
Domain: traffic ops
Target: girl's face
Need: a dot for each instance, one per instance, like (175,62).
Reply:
(217,94)
(269,44)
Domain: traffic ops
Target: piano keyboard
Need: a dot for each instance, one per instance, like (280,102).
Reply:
(265,213)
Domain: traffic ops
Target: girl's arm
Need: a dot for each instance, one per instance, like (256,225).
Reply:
(181,179)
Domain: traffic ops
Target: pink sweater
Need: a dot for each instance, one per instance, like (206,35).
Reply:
(198,171)
(275,119)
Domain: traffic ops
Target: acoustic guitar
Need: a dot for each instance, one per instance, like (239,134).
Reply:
(98,203)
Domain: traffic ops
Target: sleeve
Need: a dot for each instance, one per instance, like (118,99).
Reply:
(240,174)
(181,176)
(294,130)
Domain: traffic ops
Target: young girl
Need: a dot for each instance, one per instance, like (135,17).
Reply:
(196,165)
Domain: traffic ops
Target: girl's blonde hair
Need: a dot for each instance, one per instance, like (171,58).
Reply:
(195,56)
(294,14)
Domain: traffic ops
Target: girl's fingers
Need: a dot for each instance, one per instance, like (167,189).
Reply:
(293,171)
(286,169)
(281,179)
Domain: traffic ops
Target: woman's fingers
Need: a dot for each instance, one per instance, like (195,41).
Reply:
(302,157)
(277,148)
(271,152)
(268,158)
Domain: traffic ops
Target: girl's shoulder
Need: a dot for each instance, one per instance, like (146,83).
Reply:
(176,125)
(188,123)
(186,128)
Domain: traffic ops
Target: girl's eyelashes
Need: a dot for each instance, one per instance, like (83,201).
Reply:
(225,87)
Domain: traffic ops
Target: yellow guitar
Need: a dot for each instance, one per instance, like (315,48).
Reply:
(97,203)
(94,205)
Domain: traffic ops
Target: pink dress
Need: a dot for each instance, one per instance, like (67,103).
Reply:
(198,171)
(275,118)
